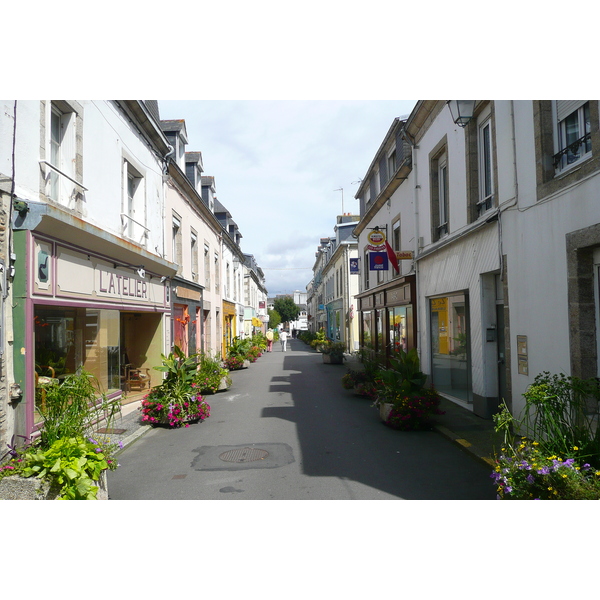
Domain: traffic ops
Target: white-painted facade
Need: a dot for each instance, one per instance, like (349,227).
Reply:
(507,268)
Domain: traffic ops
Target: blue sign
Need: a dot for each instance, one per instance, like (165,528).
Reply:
(378,261)
(354,265)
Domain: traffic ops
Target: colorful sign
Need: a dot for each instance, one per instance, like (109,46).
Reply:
(354,268)
(376,239)
(378,261)
(404,255)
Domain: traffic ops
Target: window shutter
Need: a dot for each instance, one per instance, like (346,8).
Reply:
(565,107)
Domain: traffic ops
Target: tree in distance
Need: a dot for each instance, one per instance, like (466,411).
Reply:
(274,319)
(287,309)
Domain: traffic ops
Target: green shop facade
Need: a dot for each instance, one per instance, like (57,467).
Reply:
(83,299)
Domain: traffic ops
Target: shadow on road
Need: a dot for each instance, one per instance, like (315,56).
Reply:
(341,436)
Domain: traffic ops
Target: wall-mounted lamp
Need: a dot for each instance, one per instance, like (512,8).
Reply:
(163,278)
(141,271)
(462,111)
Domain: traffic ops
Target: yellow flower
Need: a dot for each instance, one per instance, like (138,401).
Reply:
(575,448)
(535,444)
(564,476)
(549,489)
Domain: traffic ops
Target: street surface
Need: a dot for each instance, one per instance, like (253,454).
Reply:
(287,430)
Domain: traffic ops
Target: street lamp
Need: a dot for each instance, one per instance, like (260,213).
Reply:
(461,111)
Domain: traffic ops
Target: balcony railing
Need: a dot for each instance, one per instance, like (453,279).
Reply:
(572,148)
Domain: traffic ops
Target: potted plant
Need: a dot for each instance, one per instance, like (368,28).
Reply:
(319,340)
(211,377)
(67,461)
(333,353)
(413,411)
(239,349)
(176,402)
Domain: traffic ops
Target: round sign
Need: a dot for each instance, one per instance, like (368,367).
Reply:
(376,237)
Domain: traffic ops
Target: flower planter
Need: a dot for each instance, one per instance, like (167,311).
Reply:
(246,364)
(333,359)
(224,385)
(32,488)
(384,410)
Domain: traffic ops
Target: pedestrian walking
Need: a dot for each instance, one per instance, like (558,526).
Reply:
(269,340)
(283,339)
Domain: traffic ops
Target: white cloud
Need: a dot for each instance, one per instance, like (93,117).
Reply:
(278,166)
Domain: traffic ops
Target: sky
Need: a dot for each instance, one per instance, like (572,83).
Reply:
(286,169)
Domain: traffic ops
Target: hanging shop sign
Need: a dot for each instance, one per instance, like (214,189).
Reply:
(376,239)
(354,268)
(404,255)
(378,261)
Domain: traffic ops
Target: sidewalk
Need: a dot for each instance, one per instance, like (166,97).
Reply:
(472,433)
(127,427)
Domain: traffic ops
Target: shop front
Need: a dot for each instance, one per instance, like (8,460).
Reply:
(388,319)
(229,325)
(188,316)
(86,311)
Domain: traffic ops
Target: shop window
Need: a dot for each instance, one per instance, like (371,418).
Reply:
(400,325)
(450,353)
(367,330)
(67,340)
(181,318)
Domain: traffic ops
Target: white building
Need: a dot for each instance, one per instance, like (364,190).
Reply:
(504,222)
(192,242)
(91,285)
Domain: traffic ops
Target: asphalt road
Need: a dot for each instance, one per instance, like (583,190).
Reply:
(287,430)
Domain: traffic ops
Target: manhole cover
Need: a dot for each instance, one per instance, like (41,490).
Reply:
(243,455)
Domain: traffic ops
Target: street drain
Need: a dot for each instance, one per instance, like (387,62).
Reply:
(243,455)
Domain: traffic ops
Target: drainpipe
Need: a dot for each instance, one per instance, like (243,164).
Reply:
(515,200)
(414,149)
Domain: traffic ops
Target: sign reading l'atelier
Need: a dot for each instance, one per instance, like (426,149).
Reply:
(80,275)
(118,285)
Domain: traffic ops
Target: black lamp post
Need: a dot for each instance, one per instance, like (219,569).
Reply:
(461,111)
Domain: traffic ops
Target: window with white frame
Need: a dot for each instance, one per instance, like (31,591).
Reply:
(207,266)
(194,251)
(63,154)
(392,163)
(176,240)
(573,133)
(439,194)
(217,274)
(484,149)
(133,216)
(442,196)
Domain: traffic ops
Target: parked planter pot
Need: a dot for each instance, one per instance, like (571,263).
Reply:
(32,488)
(224,385)
(384,410)
(333,359)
